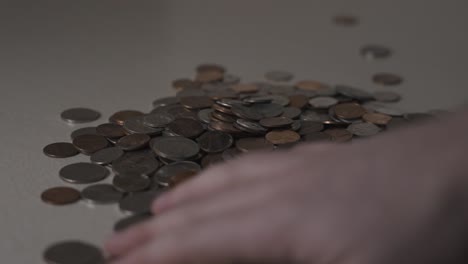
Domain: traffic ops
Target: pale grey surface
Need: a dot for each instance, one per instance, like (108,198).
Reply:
(112,55)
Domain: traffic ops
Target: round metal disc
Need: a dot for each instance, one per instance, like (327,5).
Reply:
(364,129)
(131,182)
(214,141)
(133,142)
(136,125)
(268,110)
(161,119)
(60,150)
(101,194)
(135,164)
(107,155)
(83,173)
(175,148)
(253,144)
(110,130)
(89,144)
(186,127)
(60,195)
(83,131)
(80,115)
(138,202)
(73,252)
(164,174)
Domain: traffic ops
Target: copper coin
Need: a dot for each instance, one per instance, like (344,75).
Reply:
(210,67)
(282,137)
(111,130)
(133,142)
(80,115)
(376,118)
(310,85)
(183,83)
(372,52)
(253,144)
(186,127)
(122,116)
(276,122)
(345,20)
(215,141)
(387,79)
(88,144)
(245,88)
(339,134)
(60,195)
(298,100)
(349,111)
(209,76)
(196,102)
(60,150)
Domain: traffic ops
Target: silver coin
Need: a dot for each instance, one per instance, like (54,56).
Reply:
(80,115)
(363,129)
(268,110)
(354,93)
(176,110)
(83,131)
(231,79)
(165,173)
(158,119)
(279,76)
(138,202)
(246,112)
(387,96)
(291,112)
(296,125)
(101,194)
(323,102)
(136,125)
(135,164)
(73,252)
(204,115)
(274,99)
(83,172)
(106,156)
(215,141)
(165,101)
(250,126)
(169,133)
(131,182)
(174,148)
(310,115)
(226,102)
(131,220)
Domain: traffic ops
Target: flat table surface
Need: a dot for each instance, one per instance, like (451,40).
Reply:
(114,55)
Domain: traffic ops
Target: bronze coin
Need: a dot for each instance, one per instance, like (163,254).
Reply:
(88,144)
(310,85)
(224,127)
(186,127)
(196,102)
(60,195)
(60,150)
(276,122)
(387,79)
(376,118)
(133,142)
(339,134)
(245,88)
(298,100)
(209,76)
(111,130)
(349,111)
(253,144)
(282,137)
(210,67)
(122,116)
(184,83)
(345,20)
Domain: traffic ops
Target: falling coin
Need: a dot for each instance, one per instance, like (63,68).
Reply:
(73,252)
(387,79)
(80,115)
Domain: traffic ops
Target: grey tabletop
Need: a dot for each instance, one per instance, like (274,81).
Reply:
(113,55)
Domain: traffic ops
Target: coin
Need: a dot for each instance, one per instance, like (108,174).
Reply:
(372,52)
(106,156)
(209,76)
(308,127)
(60,195)
(83,172)
(131,220)
(387,96)
(268,110)
(196,102)
(246,112)
(349,111)
(131,182)
(134,163)
(310,85)
(204,115)
(376,118)
(136,125)
(345,20)
(210,67)
(83,131)
(384,109)
(60,150)
(323,102)
(101,194)
(175,148)
(158,120)
(387,79)
(224,127)
(183,83)
(363,129)
(282,137)
(279,76)
(215,141)
(249,126)
(133,142)
(80,115)
(73,252)
(245,88)
(138,202)
(110,130)
(121,116)
(170,100)
(186,127)
(88,144)
(276,122)
(298,100)
(164,174)
(353,92)
(253,144)
(223,117)
(291,112)
(339,134)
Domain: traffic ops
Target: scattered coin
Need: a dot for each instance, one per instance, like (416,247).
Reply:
(339,134)
(253,144)
(171,100)
(106,156)
(214,141)
(60,150)
(387,79)
(323,102)
(158,120)
(83,172)
(121,116)
(133,142)
(73,252)
(132,163)
(164,174)
(363,129)
(60,195)
(282,137)
(276,122)
(175,148)
(245,88)
(387,96)
(349,111)
(101,194)
(279,76)
(131,220)
(291,112)
(372,52)
(83,131)
(308,127)
(131,182)
(80,115)
(138,202)
(136,125)
(186,127)
(376,118)
(110,130)
(88,144)
(196,102)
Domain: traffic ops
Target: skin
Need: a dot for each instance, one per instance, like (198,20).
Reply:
(400,197)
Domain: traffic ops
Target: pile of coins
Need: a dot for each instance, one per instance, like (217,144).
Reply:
(213,118)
